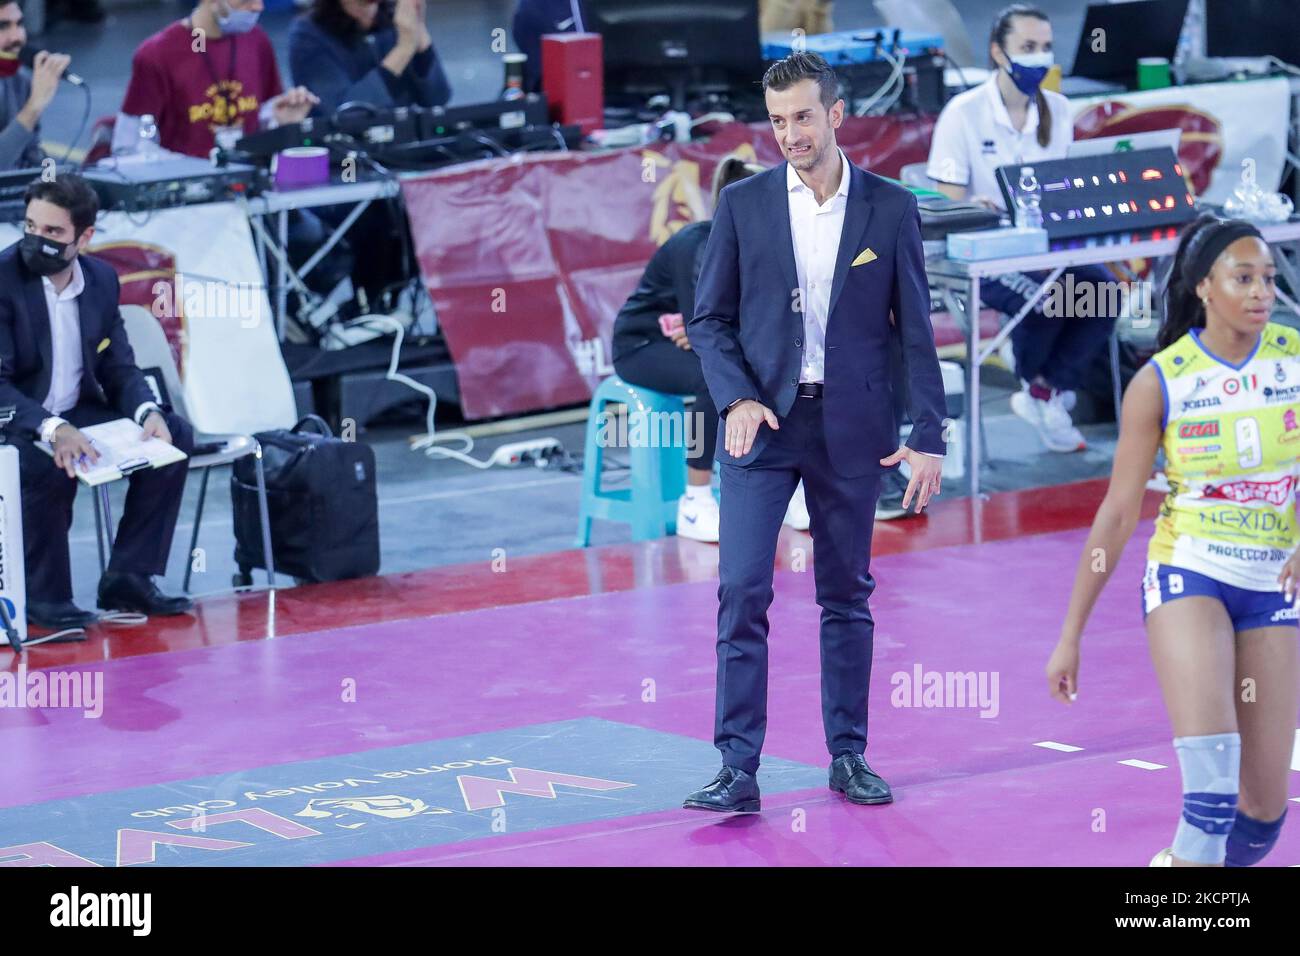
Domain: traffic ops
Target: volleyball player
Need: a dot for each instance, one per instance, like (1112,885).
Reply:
(1222,567)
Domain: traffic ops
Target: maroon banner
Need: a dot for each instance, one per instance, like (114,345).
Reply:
(529,259)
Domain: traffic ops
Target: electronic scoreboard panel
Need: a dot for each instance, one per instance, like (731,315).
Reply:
(1108,192)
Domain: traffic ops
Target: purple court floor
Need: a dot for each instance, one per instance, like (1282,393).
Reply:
(566,732)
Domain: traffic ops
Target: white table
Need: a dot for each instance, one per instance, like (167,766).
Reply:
(953,276)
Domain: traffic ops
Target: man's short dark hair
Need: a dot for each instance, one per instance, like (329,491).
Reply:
(784,74)
(71,193)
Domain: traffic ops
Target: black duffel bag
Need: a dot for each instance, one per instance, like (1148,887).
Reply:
(321,496)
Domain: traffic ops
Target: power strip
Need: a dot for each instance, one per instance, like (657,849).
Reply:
(517,453)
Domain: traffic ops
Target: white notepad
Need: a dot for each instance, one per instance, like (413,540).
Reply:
(122,450)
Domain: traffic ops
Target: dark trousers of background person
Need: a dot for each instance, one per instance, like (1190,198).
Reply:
(1061,348)
(753,503)
(378,242)
(666,368)
(144,534)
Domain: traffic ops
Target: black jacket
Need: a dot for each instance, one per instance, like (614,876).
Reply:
(667,285)
(109,375)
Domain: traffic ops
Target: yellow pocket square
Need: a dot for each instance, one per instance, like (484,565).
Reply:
(102,345)
(865,256)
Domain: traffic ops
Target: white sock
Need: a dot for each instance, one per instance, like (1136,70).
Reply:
(698,492)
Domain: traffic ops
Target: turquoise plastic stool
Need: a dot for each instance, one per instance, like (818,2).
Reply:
(658,473)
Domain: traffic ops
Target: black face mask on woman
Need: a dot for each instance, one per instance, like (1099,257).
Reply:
(45,257)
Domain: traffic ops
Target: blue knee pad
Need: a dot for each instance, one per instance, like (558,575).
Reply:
(1211,767)
(1251,839)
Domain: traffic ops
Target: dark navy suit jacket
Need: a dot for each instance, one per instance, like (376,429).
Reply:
(109,376)
(748,333)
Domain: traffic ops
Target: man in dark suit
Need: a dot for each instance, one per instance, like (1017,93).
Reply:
(804,267)
(65,363)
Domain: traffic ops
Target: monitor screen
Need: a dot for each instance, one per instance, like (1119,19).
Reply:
(1253,28)
(712,45)
(1116,35)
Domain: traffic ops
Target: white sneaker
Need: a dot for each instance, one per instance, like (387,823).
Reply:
(698,518)
(796,513)
(1164,858)
(1069,398)
(1050,419)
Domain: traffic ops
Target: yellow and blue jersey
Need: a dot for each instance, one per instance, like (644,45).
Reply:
(1231,444)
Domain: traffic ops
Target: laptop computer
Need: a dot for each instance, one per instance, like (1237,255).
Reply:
(1149,139)
(1116,35)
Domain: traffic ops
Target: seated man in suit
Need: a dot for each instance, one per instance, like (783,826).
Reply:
(65,363)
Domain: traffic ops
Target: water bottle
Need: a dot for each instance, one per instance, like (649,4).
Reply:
(1028,198)
(148,142)
(1191,41)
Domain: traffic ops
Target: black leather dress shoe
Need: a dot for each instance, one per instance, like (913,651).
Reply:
(732,791)
(137,592)
(58,615)
(851,776)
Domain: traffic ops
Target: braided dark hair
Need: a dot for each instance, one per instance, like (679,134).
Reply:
(1202,242)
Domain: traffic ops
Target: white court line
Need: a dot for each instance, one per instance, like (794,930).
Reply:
(1053,745)
(1144,764)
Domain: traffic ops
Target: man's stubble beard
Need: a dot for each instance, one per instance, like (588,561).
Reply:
(815,160)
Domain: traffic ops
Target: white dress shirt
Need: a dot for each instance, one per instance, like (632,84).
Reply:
(66,356)
(65,341)
(815,231)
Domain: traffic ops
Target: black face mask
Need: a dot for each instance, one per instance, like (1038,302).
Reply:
(45,257)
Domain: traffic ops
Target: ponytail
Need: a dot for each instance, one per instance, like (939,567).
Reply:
(1044,118)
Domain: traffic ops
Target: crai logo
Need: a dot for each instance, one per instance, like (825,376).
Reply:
(1208,428)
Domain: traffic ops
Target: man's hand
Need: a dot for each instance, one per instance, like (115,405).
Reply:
(72,448)
(680,340)
(292,106)
(743,423)
(47,70)
(927,474)
(155,426)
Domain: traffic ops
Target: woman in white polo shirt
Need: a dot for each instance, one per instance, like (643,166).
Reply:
(1011,119)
